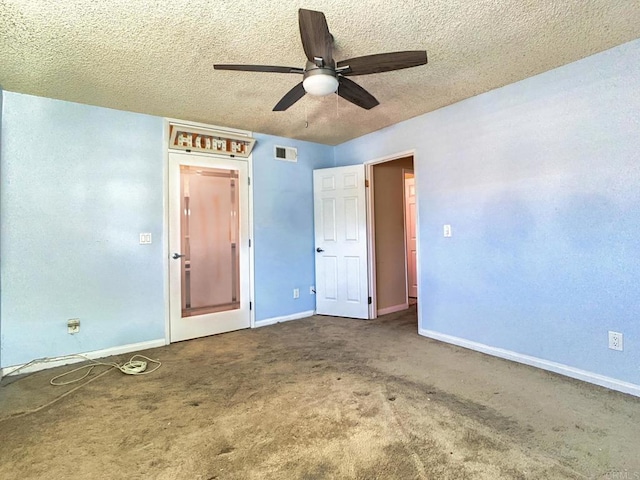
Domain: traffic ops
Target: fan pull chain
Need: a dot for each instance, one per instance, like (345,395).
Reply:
(306,116)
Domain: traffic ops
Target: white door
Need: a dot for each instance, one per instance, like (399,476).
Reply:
(342,287)
(410,229)
(208,245)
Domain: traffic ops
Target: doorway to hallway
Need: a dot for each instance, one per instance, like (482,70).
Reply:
(393,234)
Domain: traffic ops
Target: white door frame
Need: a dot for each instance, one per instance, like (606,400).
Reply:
(165,216)
(368,175)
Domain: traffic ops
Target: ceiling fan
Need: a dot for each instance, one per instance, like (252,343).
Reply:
(322,75)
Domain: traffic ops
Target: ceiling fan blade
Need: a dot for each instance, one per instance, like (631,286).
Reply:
(258,68)
(291,97)
(351,91)
(316,39)
(383,62)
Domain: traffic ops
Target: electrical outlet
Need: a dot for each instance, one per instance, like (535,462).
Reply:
(296,293)
(312,290)
(615,341)
(73,325)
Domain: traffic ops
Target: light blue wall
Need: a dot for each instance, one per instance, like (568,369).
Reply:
(540,181)
(1,98)
(78,184)
(283,225)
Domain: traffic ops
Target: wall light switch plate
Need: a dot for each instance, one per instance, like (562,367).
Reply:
(446,230)
(145,239)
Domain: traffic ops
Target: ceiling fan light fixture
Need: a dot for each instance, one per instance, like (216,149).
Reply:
(320,85)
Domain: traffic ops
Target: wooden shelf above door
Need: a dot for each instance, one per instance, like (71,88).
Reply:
(194,139)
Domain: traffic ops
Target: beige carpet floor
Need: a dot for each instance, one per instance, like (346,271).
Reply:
(319,398)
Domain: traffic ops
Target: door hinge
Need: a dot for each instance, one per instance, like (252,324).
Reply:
(249,180)
(249,243)
(369,300)
(366,183)
(250,305)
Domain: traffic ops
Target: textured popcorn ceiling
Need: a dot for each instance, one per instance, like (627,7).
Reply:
(156,56)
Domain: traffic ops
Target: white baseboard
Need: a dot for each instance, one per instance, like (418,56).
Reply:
(393,309)
(585,376)
(286,318)
(50,362)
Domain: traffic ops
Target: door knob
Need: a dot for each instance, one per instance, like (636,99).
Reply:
(319,250)
(177,255)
